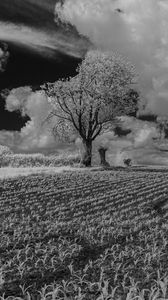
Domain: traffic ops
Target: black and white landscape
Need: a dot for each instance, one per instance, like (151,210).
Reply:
(47,40)
(83,149)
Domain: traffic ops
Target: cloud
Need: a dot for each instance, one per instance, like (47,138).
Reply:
(136,145)
(7,138)
(142,132)
(138,31)
(17,99)
(44,42)
(36,134)
(144,136)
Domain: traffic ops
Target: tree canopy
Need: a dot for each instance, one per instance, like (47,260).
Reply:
(162,126)
(94,97)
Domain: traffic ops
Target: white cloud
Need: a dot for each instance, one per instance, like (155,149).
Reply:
(139,33)
(135,145)
(17,98)
(36,134)
(44,42)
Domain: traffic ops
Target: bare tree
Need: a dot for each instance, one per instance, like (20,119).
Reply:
(87,102)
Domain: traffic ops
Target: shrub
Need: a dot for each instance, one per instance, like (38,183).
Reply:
(4,150)
(127,162)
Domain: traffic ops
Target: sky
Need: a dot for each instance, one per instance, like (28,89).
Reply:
(39,51)
(31,23)
(136,29)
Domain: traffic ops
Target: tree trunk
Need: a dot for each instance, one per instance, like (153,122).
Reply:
(87,154)
(102,153)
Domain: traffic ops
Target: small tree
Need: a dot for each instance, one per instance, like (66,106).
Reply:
(127,162)
(162,126)
(93,98)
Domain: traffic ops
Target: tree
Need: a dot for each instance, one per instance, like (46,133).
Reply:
(133,96)
(162,126)
(130,96)
(94,97)
(119,131)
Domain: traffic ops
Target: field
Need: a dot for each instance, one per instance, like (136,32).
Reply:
(89,235)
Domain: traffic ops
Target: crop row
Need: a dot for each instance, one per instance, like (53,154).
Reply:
(79,236)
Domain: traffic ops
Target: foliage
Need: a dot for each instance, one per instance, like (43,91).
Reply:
(127,162)
(162,126)
(5,150)
(85,235)
(98,94)
(133,96)
(119,131)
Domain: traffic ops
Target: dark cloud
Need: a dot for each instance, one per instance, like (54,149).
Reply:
(32,24)
(36,13)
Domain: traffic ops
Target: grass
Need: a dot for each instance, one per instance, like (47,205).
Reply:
(84,235)
(11,172)
(39,160)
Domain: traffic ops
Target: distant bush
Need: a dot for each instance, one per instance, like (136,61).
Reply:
(38,160)
(4,150)
(128,162)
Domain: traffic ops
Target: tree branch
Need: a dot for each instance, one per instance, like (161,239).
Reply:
(95,120)
(90,132)
(52,114)
(98,132)
(61,106)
